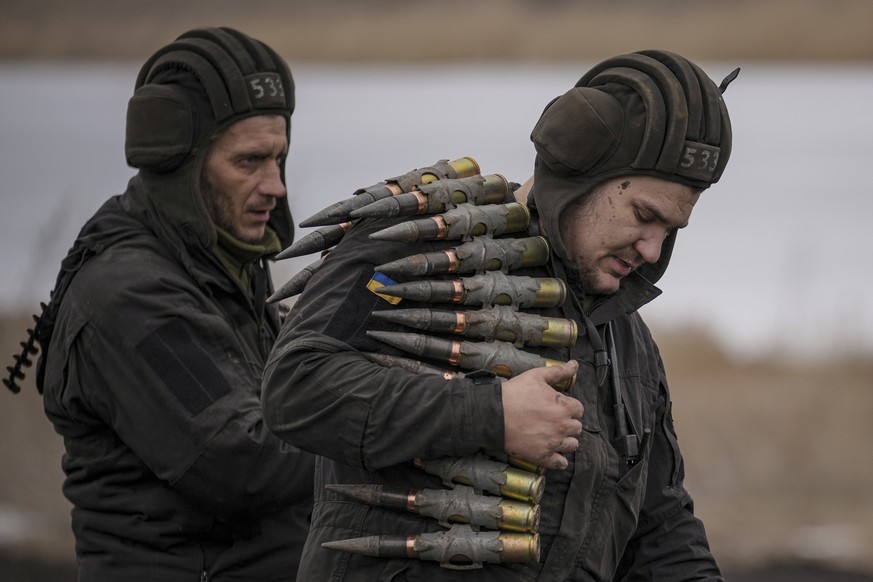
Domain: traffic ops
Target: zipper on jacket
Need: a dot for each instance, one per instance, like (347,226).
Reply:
(204,577)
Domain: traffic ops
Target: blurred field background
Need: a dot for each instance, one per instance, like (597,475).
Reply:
(437,30)
(777,450)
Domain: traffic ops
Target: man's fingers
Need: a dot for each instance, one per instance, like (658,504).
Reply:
(576,430)
(557,462)
(561,377)
(568,445)
(560,372)
(573,406)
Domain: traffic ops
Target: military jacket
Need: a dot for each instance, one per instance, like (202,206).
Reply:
(602,518)
(151,376)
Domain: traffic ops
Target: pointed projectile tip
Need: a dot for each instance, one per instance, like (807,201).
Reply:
(404,232)
(423,290)
(320,218)
(417,318)
(313,220)
(383,208)
(341,211)
(391,290)
(365,546)
(353,545)
(292,250)
(316,241)
(419,344)
(333,214)
(410,266)
(394,316)
(296,284)
(368,494)
(408,342)
(388,337)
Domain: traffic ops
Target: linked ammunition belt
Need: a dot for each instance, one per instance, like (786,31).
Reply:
(490,506)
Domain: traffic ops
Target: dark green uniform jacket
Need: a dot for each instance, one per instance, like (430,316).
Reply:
(151,372)
(602,519)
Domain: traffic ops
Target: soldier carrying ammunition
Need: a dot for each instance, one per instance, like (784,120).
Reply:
(365,372)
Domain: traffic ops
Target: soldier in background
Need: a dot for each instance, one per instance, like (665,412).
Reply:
(622,159)
(157,332)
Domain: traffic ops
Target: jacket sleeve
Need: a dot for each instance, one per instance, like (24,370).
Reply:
(323,395)
(160,365)
(670,542)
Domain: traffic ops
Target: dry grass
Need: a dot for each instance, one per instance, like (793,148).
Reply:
(391,30)
(777,455)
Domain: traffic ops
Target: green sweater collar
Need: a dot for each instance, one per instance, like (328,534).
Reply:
(236,255)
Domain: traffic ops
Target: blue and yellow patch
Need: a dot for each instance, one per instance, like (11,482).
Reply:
(378,281)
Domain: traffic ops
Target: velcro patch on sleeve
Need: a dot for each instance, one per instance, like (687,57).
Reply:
(183,366)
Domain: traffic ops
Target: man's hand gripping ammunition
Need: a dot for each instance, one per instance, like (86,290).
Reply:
(459,505)
(443,169)
(458,548)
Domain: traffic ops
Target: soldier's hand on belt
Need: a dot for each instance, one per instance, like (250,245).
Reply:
(541,424)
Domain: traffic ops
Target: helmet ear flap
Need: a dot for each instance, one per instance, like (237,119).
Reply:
(578,130)
(160,128)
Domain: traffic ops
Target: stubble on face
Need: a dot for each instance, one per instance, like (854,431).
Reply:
(219,206)
(620,225)
(241,179)
(572,222)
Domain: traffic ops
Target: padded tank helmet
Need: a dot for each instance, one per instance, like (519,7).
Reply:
(186,94)
(239,77)
(650,113)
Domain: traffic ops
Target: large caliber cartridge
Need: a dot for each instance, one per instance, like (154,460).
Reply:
(297,283)
(498,357)
(316,241)
(443,169)
(410,365)
(505,457)
(489,288)
(487,475)
(439,196)
(480,254)
(458,548)
(496,323)
(460,223)
(459,505)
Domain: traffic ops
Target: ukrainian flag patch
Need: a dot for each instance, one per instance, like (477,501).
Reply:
(378,281)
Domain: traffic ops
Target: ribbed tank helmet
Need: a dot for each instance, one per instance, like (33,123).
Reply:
(186,94)
(651,113)
(194,87)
